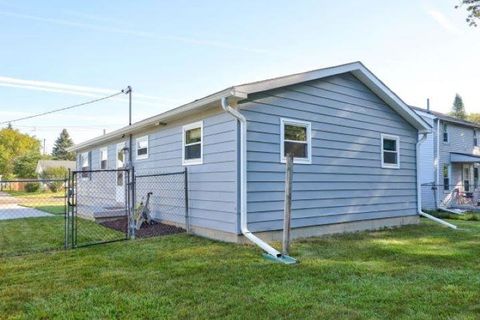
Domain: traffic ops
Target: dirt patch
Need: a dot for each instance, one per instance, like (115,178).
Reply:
(146,231)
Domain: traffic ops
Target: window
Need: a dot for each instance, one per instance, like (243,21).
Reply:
(466,178)
(192,141)
(446,177)
(142,148)
(390,151)
(103,158)
(445,132)
(475,177)
(475,138)
(85,164)
(295,138)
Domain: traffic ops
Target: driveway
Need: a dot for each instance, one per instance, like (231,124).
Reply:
(9,209)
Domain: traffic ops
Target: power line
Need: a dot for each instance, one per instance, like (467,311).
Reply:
(64,108)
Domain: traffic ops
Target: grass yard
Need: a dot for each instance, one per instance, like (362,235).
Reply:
(40,234)
(416,272)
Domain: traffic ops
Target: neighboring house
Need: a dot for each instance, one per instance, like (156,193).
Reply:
(47,164)
(353,138)
(450,162)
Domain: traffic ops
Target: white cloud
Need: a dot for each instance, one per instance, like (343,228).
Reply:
(136,33)
(444,22)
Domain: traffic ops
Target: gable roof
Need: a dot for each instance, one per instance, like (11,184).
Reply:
(241,92)
(447,118)
(45,164)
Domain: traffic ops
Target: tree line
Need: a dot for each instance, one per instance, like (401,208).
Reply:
(20,152)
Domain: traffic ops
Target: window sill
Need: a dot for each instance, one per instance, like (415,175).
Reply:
(297,160)
(192,162)
(141,157)
(386,166)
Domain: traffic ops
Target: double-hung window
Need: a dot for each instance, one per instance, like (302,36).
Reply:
(296,139)
(445,133)
(142,147)
(192,143)
(446,177)
(390,151)
(85,164)
(103,158)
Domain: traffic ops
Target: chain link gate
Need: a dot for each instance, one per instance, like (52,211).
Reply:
(99,206)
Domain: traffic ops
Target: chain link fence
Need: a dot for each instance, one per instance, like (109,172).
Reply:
(91,207)
(32,215)
(450,196)
(99,203)
(165,195)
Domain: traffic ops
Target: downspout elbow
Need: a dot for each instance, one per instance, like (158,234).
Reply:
(419,190)
(243,181)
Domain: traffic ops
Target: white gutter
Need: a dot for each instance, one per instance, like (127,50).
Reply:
(243,182)
(419,189)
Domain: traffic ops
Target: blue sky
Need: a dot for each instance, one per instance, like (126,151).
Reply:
(57,53)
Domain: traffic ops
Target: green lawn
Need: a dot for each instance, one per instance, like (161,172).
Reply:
(416,272)
(40,234)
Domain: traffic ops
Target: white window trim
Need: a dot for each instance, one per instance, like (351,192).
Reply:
(101,151)
(119,148)
(185,128)
(308,125)
(142,156)
(397,139)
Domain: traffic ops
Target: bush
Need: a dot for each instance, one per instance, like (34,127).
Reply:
(54,174)
(32,187)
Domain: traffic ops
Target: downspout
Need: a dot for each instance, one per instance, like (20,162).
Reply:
(419,190)
(243,182)
(437,172)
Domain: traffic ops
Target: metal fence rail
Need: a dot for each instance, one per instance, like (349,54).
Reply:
(32,215)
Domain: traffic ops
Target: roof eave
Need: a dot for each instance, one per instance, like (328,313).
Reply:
(163,117)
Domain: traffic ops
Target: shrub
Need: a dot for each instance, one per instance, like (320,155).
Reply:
(32,187)
(54,174)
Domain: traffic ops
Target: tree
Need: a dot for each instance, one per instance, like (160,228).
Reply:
(474,117)
(25,165)
(473,10)
(57,174)
(63,142)
(458,108)
(15,145)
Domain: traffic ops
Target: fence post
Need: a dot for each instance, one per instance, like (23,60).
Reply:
(187,218)
(131,201)
(66,210)
(288,204)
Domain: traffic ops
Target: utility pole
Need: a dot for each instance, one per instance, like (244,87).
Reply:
(44,147)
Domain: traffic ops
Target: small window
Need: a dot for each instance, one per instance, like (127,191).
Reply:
(390,151)
(295,139)
(142,148)
(475,177)
(445,133)
(475,138)
(103,158)
(192,143)
(446,177)
(85,164)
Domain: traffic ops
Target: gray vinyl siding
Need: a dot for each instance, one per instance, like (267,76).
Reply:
(345,181)
(460,141)
(212,185)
